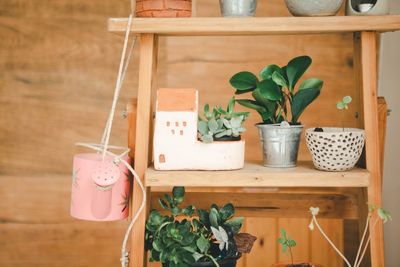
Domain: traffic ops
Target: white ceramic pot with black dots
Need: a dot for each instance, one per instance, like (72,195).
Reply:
(335,149)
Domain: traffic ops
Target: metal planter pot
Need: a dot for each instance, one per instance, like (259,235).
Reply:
(238,8)
(280,144)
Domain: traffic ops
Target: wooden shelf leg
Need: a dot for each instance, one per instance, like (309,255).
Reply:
(147,71)
(366,49)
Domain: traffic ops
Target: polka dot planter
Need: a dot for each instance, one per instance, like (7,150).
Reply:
(335,149)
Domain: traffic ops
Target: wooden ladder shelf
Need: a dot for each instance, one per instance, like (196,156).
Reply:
(254,178)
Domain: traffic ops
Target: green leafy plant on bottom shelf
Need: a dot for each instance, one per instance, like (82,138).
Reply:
(287,244)
(274,94)
(188,235)
(375,214)
(220,123)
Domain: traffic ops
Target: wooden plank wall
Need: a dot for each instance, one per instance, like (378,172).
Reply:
(57,71)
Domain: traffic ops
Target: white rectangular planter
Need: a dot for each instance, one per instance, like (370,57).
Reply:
(176,146)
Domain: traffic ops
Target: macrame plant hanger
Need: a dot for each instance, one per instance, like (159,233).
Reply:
(105,174)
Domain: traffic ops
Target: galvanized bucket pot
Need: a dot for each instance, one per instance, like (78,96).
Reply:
(238,8)
(280,144)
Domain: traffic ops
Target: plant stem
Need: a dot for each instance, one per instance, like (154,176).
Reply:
(367,243)
(362,240)
(291,255)
(213,260)
(329,241)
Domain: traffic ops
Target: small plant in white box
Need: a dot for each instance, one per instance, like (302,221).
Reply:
(220,124)
(375,214)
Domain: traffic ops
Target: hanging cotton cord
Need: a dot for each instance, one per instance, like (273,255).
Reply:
(104,146)
(117,87)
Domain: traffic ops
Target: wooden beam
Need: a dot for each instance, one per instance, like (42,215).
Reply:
(368,58)
(147,69)
(275,205)
(255,26)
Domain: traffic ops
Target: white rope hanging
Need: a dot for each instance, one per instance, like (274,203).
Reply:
(104,143)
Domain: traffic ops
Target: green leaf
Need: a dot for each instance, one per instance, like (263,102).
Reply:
(281,240)
(384,215)
(278,78)
(268,105)
(214,217)
(213,125)
(251,104)
(208,138)
(203,244)
(158,245)
(170,200)
(340,105)
(296,68)
(244,81)
(163,204)
(202,127)
(347,99)
(231,105)
(175,211)
(178,192)
(311,83)
(227,212)
(235,224)
(266,73)
(301,100)
(204,217)
(291,243)
(188,211)
(270,90)
(283,233)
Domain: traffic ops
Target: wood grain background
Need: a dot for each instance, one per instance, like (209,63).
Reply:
(58,66)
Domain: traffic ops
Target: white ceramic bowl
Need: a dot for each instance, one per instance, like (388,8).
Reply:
(335,149)
(313,8)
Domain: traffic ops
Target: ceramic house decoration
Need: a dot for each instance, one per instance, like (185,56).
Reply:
(100,188)
(176,144)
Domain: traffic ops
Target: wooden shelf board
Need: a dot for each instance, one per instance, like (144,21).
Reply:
(255,175)
(256,25)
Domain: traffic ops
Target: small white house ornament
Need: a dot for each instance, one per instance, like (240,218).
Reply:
(176,145)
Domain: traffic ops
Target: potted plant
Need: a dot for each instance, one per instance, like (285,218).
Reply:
(280,106)
(374,215)
(287,244)
(220,124)
(163,8)
(336,149)
(179,238)
(238,8)
(313,8)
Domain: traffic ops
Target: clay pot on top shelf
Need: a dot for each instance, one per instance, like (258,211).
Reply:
(313,8)
(367,7)
(163,8)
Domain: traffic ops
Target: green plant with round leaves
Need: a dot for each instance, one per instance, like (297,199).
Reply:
(276,90)
(286,243)
(343,105)
(219,122)
(183,236)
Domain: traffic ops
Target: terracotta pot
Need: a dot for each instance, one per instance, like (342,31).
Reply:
(296,264)
(100,189)
(163,8)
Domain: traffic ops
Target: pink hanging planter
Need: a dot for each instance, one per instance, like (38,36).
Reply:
(100,189)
